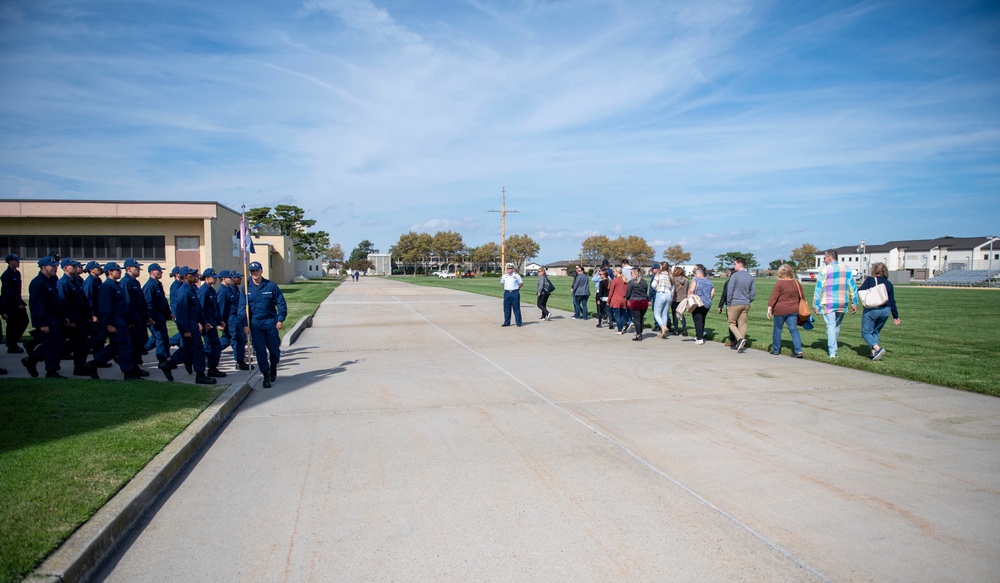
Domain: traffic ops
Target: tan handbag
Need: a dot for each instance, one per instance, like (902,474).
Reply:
(804,310)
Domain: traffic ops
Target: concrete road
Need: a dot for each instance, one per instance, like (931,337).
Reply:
(411,438)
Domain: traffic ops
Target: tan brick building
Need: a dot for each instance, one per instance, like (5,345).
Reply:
(196,234)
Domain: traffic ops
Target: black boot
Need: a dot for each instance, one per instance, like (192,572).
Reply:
(166,366)
(53,374)
(31,364)
(243,366)
(216,373)
(274,370)
(133,375)
(203,379)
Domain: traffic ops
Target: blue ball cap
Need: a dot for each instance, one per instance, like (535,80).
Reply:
(112,266)
(175,271)
(185,271)
(92,264)
(209,272)
(67,262)
(255,266)
(225,274)
(46,261)
(11,257)
(130,262)
(235,274)
(154,267)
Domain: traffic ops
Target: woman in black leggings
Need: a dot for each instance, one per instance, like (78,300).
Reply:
(637,295)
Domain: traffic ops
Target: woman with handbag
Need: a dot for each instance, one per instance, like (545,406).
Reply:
(784,308)
(616,300)
(874,318)
(545,289)
(637,295)
(701,286)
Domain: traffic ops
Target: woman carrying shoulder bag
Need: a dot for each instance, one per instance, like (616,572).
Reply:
(873,319)
(543,292)
(637,295)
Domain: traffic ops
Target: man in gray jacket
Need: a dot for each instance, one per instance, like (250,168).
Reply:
(742,291)
(581,291)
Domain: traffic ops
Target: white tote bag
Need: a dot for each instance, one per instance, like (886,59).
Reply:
(874,297)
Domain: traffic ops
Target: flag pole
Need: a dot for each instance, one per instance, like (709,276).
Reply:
(244,236)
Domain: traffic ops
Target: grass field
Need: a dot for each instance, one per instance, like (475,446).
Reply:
(66,447)
(304,297)
(946,337)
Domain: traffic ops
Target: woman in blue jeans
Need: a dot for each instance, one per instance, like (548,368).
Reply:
(873,319)
(784,308)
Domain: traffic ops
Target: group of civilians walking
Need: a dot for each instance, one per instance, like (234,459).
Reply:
(623,296)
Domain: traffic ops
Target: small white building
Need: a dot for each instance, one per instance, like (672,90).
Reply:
(382,263)
(923,258)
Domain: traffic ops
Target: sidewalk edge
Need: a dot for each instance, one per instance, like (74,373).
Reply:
(78,557)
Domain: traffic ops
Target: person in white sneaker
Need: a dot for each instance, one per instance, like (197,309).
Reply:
(704,289)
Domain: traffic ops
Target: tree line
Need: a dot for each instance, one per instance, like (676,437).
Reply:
(414,252)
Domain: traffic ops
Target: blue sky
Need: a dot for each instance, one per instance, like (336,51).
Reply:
(717,125)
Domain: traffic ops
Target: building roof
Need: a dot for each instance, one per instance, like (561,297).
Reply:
(104,209)
(952,243)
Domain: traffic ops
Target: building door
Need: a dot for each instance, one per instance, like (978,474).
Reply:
(188,252)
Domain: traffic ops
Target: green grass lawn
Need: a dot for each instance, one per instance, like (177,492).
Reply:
(67,446)
(304,297)
(946,337)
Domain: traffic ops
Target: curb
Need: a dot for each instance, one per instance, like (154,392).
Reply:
(296,331)
(88,547)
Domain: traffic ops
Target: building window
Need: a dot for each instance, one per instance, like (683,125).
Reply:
(187,243)
(34,247)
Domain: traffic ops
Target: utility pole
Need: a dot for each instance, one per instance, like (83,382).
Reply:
(503,225)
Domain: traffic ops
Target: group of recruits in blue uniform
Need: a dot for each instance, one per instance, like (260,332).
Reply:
(117,318)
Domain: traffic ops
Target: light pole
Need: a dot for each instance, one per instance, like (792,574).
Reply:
(861,250)
(992,238)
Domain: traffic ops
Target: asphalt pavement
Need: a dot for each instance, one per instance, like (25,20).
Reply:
(411,438)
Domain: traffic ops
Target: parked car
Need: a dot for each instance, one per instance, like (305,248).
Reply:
(468,273)
(444,274)
(808,276)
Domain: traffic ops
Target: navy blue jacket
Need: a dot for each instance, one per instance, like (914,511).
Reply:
(92,289)
(113,305)
(187,309)
(174,288)
(43,301)
(156,301)
(76,307)
(266,303)
(10,291)
(229,303)
(209,301)
(138,313)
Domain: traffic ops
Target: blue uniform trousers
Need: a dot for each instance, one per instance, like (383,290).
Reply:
(266,344)
(213,349)
(139,335)
(192,351)
(119,347)
(159,338)
(79,340)
(235,337)
(49,350)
